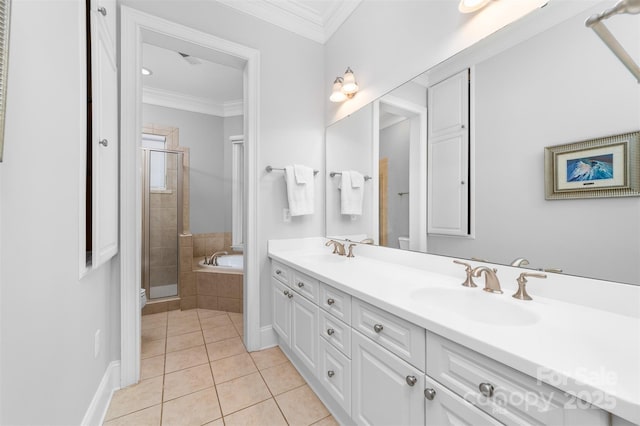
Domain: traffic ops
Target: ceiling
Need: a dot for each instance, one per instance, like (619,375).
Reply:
(212,88)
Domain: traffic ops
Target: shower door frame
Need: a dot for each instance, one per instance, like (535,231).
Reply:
(146,231)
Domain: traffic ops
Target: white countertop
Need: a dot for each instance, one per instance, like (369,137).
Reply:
(591,353)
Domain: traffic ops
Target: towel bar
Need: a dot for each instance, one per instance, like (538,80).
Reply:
(269,169)
(332,174)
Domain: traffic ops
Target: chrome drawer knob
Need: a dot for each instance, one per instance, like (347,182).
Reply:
(486,389)
(330,301)
(430,394)
(288,294)
(330,331)
(104,142)
(411,380)
(378,328)
(102,11)
(278,271)
(300,284)
(331,373)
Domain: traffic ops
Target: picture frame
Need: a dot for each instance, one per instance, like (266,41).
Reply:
(596,168)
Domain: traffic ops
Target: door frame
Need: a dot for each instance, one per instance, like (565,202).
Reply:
(135,28)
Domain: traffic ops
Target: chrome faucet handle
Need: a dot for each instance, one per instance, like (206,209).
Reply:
(519,262)
(350,254)
(522,285)
(468,269)
(491,282)
(367,241)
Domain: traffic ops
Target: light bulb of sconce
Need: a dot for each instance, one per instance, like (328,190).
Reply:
(336,94)
(470,6)
(349,85)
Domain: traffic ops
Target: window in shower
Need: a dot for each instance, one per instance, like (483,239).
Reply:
(157,161)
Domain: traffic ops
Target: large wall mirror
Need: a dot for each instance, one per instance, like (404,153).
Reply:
(4,56)
(562,85)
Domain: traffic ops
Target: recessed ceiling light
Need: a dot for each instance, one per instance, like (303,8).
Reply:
(469,6)
(146,71)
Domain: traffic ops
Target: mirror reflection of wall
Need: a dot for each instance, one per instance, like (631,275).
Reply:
(560,86)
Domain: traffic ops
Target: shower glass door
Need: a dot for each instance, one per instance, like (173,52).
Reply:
(162,219)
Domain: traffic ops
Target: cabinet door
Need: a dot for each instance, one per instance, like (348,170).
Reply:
(104,138)
(304,330)
(385,389)
(281,310)
(334,372)
(448,156)
(446,408)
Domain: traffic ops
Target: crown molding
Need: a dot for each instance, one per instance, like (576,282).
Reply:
(169,99)
(297,17)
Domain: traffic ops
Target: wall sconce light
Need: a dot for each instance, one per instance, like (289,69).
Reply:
(470,6)
(344,87)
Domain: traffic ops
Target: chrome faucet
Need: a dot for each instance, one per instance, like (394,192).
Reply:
(491,282)
(337,247)
(521,261)
(350,254)
(213,260)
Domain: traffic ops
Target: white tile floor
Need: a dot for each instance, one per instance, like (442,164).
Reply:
(195,370)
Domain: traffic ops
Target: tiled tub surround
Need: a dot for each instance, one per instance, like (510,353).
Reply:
(586,339)
(200,287)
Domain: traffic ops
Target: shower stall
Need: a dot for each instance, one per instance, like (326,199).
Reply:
(161,218)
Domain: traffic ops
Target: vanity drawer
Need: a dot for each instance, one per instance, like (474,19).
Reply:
(334,373)
(336,302)
(280,272)
(336,332)
(306,286)
(512,397)
(401,337)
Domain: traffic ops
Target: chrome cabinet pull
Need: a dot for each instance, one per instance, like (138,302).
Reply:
(330,301)
(430,394)
(300,284)
(411,380)
(378,328)
(486,389)
(104,142)
(102,11)
(331,373)
(278,272)
(288,294)
(330,331)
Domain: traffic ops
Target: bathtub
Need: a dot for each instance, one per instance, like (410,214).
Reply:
(229,262)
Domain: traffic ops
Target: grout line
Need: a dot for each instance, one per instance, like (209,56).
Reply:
(213,379)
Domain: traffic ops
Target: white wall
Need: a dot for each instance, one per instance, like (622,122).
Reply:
(559,87)
(210,173)
(48,316)
(291,128)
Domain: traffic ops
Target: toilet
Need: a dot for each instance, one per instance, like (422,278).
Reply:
(403,242)
(143,297)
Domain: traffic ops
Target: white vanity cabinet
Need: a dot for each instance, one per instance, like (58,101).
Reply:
(295,318)
(509,396)
(386,389)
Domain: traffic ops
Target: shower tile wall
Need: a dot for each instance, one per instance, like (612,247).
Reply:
(187,276)
(207,244)
(163,227)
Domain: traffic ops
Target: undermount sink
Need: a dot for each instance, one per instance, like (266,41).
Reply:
(476,305)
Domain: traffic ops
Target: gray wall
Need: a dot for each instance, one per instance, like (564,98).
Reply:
(394,144)
(210,163)
(559,87)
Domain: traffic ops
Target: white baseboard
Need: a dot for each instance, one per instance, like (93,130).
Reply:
(268,337)
(100,403)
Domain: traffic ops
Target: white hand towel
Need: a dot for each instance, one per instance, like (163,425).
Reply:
(357,179)
(300,195)
(301,172)
(350,196)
